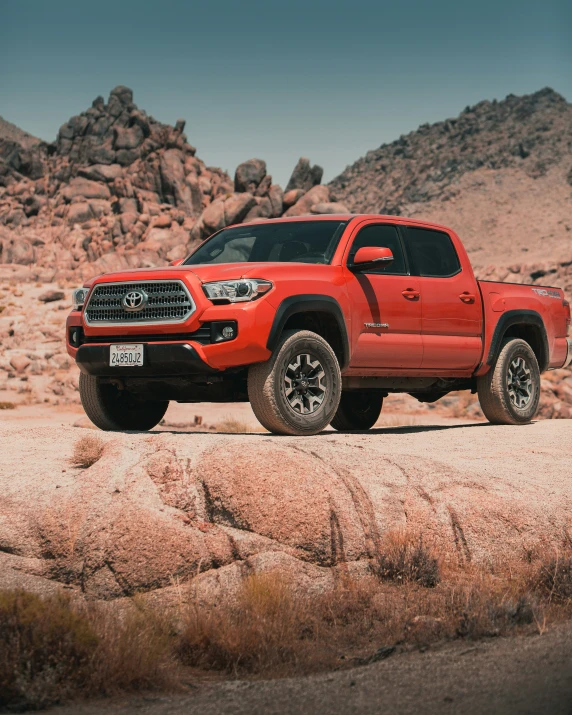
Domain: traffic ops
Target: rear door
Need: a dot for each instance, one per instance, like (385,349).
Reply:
(386,309)
(451,320)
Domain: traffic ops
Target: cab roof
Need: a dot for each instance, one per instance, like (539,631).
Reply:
(347,217)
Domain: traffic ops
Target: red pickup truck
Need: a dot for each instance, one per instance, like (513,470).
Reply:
(314,320)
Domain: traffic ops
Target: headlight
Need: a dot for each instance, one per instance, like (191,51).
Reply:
(238,291)
(78,297)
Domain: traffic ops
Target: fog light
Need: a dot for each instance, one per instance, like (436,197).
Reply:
(227,332)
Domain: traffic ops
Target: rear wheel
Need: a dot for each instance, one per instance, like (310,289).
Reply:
(510,391)
(297,391)
(115,410)
(358,410)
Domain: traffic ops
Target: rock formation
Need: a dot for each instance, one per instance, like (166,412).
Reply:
(118,189)
(160,511)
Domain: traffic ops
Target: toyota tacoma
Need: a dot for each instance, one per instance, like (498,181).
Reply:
(314,320)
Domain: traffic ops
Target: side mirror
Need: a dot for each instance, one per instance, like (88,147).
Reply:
(370,255)
(177,262)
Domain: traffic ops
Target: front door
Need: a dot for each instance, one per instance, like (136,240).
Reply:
(452,318)
(386,305)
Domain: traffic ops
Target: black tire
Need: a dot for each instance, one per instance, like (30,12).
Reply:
(114,410)
(358,410)
(510,391)
(297,391)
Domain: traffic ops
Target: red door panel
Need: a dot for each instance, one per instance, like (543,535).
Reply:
(387,301)
(452,322)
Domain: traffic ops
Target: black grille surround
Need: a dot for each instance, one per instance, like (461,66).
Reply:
(169,301)
(202,335)
(209,333)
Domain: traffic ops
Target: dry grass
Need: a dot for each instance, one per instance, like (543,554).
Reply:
(55,650)
(261,632)
(405,559)
(7,406)
(232,425)
(87,451)
(554,578)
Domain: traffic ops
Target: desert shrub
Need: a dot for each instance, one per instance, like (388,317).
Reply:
(405,560)
(46,649)
(7,405)
(554,578)
(87,451)
(134,652)
(263,630)
(53,650)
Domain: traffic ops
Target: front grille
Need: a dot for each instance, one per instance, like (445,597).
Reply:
(202,335)
(169,302)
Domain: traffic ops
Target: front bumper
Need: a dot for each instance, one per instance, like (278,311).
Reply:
(159,360)
(253,321)
(568,360)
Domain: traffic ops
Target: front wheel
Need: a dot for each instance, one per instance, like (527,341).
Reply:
(297,391)
(114,410)
(358,410)
(510,391)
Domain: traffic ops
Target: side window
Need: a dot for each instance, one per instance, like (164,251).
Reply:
(381,236)
(432,253)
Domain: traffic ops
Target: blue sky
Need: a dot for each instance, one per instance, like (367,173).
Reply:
(278,80)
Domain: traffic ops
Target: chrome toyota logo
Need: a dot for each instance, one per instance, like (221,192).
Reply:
(135,300)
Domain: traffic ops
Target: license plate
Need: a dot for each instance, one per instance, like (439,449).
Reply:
(126,355)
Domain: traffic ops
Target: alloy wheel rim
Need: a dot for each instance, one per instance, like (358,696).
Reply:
(519,383)
(305,384)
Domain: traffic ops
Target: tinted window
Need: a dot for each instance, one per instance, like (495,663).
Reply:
(288,242)
(381,237)
(432,253)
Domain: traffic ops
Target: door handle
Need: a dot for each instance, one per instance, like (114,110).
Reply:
(410,294)
(467,297)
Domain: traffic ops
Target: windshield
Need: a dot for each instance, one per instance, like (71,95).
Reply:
(292,241)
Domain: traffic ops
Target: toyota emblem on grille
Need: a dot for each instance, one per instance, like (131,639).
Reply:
(135,301)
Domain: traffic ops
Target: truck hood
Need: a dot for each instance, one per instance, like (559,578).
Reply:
(214,272)
(231,271)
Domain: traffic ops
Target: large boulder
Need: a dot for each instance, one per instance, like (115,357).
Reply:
(304,175)
(86,189)
(329,207)
(16,250)
(249,174)
(101,172)
(199,510)
(129,138)
(317,195)
(290,197)
(79,213)
(236,207)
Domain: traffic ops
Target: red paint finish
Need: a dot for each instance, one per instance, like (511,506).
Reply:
(398,323)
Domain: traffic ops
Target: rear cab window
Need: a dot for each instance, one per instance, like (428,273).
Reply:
(432,253)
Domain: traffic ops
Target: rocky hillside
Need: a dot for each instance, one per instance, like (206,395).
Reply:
(11,133)
(119,189)
(500,173)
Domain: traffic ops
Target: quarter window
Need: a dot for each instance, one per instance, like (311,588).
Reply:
(381,236)
(432,253)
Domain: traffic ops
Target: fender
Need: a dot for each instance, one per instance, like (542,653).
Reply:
(309,303)
(519,317)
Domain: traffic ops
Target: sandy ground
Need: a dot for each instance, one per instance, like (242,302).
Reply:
(181,416)
(520,675)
